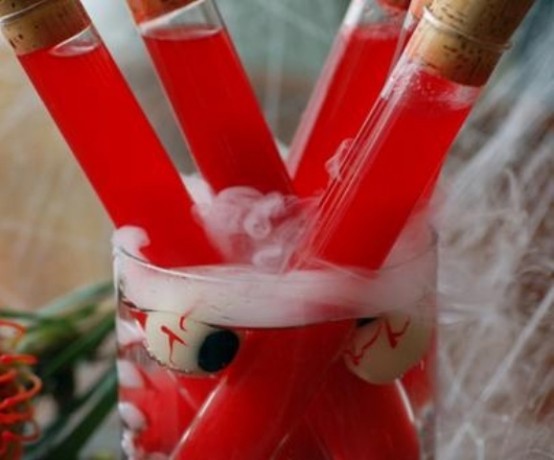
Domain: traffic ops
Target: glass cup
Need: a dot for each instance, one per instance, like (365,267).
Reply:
(180,331)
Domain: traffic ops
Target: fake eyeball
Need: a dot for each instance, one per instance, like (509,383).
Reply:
(383,349)
(188,346)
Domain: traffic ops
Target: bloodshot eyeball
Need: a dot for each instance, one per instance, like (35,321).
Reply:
(188,346)
(383,349)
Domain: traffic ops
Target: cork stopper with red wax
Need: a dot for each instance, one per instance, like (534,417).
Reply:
(144,10)
(463,40)
(31,25)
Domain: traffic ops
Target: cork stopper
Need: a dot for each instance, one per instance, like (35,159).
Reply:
(30,25)
(463,40)
(8,7)
(491,21)
(144,10)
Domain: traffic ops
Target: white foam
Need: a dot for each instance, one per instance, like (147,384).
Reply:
(244,295)
(130,238)
(127,333)
(248,226)
(133,418)
(82,43)
(497,268)
(128,444)
(128,375)
(334,165)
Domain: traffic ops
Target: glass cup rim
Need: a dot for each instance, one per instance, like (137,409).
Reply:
(198,272)
(230,295)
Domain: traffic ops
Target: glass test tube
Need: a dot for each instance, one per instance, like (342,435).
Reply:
(232,146)
(349,84)
(211,95)
(107,131)
(399,151)
(105,127)
(413,16)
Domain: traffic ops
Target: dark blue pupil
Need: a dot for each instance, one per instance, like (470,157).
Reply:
(364,321)
(218,350)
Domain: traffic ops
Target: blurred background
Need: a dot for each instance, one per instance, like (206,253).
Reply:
(497,201)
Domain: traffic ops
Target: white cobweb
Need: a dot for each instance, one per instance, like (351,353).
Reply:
(497,352)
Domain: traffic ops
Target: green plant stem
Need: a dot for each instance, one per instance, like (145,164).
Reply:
(83,346)
(59,443)
(75,300)
(102,403)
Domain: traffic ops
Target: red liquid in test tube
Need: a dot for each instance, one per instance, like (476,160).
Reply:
(376,425)
(392,162)
(161,389)
(227,412)
(232,146)
(214,102)
(401,193)
(377,208)
(350,83)
(265,393)
(117,148)
(229,139)
(395,159)
(390,170)
(127,166)
(420,119)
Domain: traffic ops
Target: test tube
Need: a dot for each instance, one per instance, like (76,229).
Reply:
(232,146)
(400,149)
(405,139)
(415,12)
(103,124)
(357,420)
(350,82)
(107,131)
(211,95)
